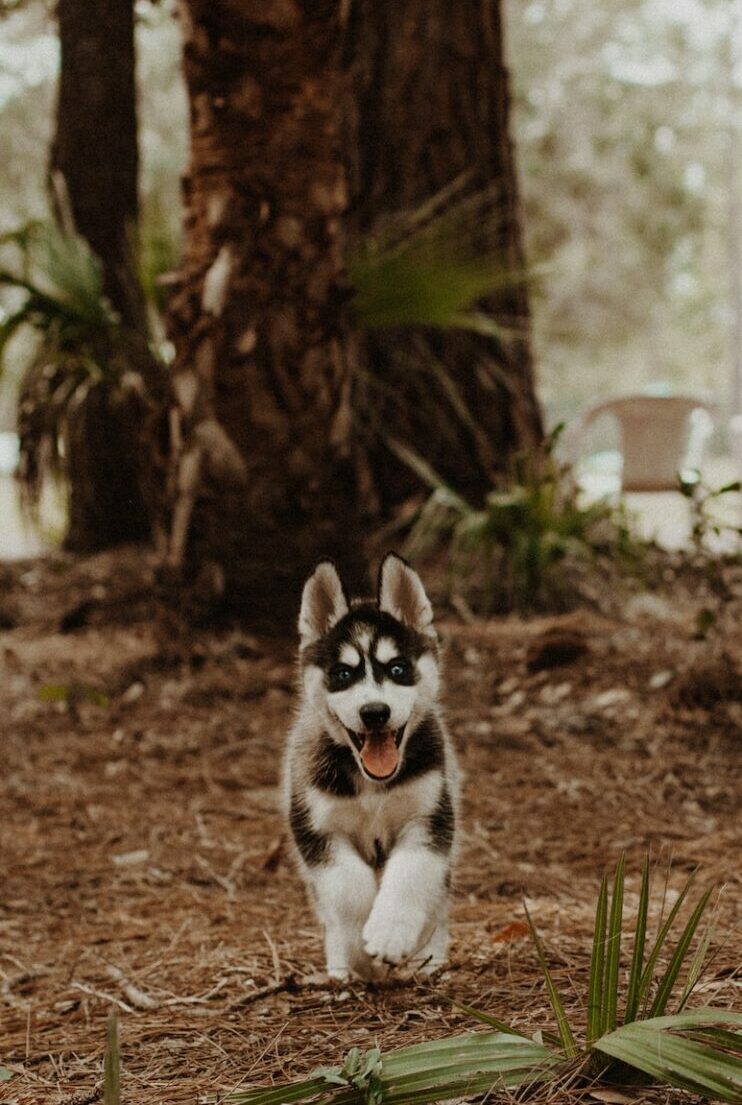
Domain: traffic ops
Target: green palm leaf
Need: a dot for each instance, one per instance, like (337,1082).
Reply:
(565,1032)
(613,951)
(678,957)
(696,967)
(640,937)
(595,985)
(659,943)
(486,1018)
(430,1072)
(433,265)
(658,1048)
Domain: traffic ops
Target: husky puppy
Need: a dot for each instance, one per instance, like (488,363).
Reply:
(371,784)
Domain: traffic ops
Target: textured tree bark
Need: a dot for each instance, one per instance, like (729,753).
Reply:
(106,506)
(110,463)
(430,101)
(309,120)
(264,482)
(95,147)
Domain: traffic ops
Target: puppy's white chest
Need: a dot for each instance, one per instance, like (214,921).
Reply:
(373,821)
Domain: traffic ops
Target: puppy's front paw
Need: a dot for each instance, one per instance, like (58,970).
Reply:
(392,936)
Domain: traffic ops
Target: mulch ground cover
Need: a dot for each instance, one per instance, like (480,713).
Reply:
(143,860)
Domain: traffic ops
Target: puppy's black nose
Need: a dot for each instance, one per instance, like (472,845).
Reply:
(375,715)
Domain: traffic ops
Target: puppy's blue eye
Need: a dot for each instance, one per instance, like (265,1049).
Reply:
(342,674)
(399,669)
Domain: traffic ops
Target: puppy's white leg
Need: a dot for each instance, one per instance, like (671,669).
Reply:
(411,905)
(344,888)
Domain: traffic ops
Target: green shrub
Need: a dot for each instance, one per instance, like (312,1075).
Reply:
(522,547)
(88,377)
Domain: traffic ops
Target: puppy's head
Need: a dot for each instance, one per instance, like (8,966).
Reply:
(369,669)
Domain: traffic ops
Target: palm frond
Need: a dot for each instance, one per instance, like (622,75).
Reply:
(595,984)
(613,951)
(460,1066)
(663,1049)
(434,265)
(640,936)
(565,1032)
(667,982)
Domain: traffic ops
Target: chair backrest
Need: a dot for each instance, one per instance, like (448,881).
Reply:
(735,440)
(660,436)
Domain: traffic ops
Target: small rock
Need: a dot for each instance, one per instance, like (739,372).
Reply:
(660,679)
(613,697)
(508,686)
(114,768)
(130,859)
(133,693)
(551,694)
(649,606)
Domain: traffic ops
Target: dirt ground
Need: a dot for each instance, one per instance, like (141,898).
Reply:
(142,858)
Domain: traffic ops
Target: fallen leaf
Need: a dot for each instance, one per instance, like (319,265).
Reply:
(516,930)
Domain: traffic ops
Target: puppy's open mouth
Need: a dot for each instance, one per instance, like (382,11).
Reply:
(379,750)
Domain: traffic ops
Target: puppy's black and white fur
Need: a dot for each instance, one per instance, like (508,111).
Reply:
(371,783)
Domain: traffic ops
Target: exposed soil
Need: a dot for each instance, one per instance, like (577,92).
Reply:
(142,857)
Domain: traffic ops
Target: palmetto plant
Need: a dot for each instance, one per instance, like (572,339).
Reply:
(436,276)
(509,552)
(60,285)
(629,1035)
(431,266)
(88,381)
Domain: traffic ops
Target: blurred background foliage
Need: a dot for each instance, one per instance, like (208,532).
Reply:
(622,120)
(29,59)
(623,114)
(628,120)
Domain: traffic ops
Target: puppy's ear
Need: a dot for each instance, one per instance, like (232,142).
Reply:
(402,594)
(323,602)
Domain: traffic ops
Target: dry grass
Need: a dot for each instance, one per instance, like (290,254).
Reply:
(142,866)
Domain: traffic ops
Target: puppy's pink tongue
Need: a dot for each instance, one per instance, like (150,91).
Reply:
(379,754)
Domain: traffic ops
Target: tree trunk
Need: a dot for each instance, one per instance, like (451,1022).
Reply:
(264,481)
(109,468)
(95,147)
(308,121)
(430,102)
(106,506)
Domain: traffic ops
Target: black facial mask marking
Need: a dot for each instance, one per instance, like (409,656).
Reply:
(325,653)
(341,676)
